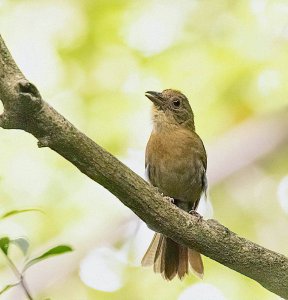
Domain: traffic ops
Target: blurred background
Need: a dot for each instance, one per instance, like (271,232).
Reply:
(93,60)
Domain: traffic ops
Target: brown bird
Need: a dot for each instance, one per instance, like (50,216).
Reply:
(176,163)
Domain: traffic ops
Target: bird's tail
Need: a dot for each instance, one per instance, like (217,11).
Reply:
(171,259)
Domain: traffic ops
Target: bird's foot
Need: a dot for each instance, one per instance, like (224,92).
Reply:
(195,214)
(168,199)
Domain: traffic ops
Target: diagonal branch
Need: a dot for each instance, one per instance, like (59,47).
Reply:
(24,109)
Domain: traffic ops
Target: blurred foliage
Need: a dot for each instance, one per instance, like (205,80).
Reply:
(93,60)
(23,245)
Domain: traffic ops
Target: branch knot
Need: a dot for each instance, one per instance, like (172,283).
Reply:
(25,102)
(30,96)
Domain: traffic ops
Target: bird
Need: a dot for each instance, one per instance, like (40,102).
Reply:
(175,163)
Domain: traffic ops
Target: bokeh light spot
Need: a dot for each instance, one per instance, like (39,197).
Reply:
(202,291)
(268,81)
(158,26)
(102,269)
(283,193)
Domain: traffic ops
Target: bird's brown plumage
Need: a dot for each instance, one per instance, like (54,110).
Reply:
(175,163)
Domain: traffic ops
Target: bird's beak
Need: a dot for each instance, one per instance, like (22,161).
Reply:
(155,97)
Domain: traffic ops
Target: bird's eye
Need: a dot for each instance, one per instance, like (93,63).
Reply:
(176,103)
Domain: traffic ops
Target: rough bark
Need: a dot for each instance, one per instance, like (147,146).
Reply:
(25,109)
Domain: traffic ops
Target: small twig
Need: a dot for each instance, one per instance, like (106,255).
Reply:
(19,276)
(25,288)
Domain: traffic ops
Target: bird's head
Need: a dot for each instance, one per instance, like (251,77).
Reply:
(171,108)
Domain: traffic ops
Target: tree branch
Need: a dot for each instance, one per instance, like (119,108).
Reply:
(24,109)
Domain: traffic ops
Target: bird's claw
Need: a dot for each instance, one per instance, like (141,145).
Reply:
(169,199)
(194,213)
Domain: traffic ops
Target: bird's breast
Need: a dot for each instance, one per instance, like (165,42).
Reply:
(174,165)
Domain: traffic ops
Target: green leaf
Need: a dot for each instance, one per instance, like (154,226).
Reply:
(7,287)
(4,244)
(22,244)
(19,211)
(52,252)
